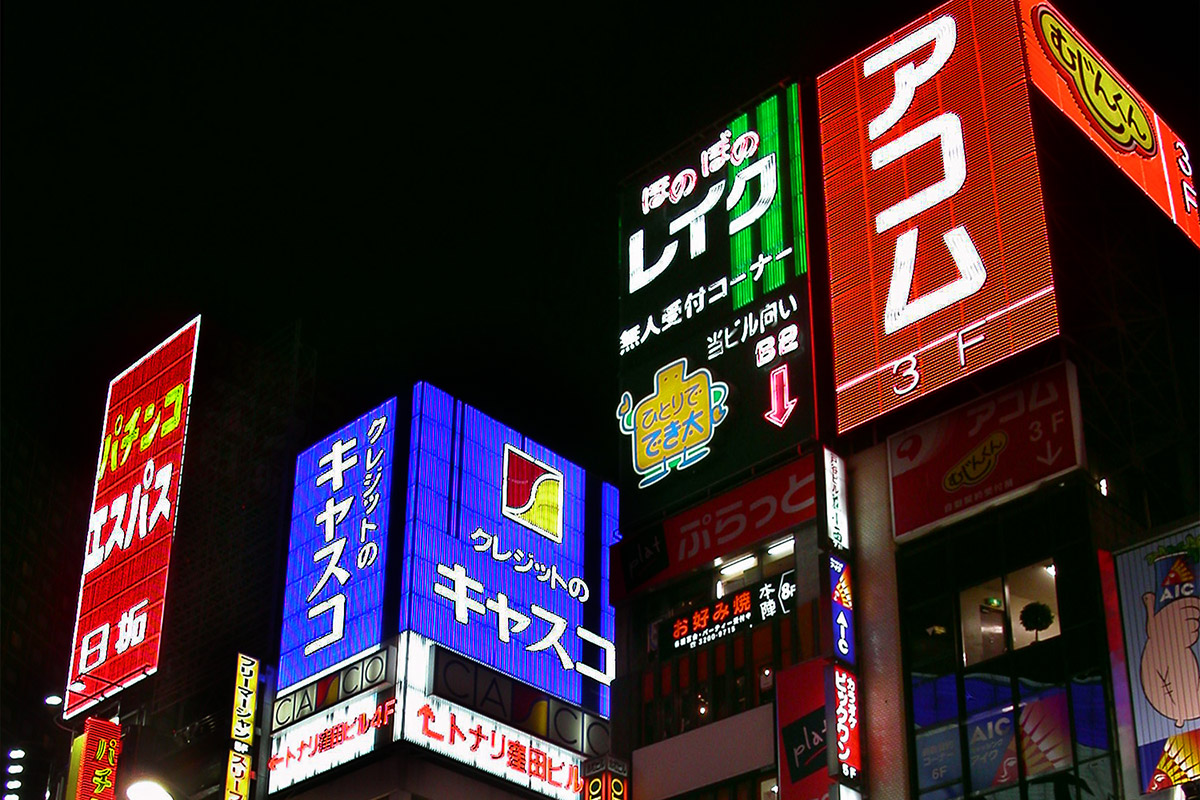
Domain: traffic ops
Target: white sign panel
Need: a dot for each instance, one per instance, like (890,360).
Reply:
(327,739)
(479,741)
(836,519)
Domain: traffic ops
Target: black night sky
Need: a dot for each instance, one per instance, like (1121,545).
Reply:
(430,193)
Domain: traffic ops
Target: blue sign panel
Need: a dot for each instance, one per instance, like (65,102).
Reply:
(506,552)
(842,609)
(337,553)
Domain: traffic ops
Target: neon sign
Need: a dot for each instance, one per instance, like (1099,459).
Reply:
(939,262)
(333,596)
(672,427)
(713,277)
(1076,78)
(474,739)
(241,751)
(118,622)
(506,553)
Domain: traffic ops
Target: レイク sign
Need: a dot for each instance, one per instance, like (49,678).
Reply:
(1085,87)
(333,597)
(714,321)
(118,624)
(939,263)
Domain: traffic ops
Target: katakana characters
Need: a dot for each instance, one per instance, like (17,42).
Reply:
(131,427)
(506,616)
(457,593)
(337,463)
(141,517)
(557,626)
(485,542)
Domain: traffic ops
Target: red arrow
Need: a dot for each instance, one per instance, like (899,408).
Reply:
(781,404)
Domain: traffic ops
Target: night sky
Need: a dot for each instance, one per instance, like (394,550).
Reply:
(430,194)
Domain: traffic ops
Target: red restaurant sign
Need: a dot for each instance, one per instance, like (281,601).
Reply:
(1085,87)
(758,510)
(938,258)
(119,619)
(983,452)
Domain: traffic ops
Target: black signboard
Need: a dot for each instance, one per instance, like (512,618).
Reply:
(714,341)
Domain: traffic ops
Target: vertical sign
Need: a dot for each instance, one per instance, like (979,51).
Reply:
(118,623)
(800,705)
(715,357)
(333,596)
(1160,610)
(98,760)
(847,752)
(938,258)
(1085,87)
(241,748)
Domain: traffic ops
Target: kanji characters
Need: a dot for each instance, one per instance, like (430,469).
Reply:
(131,629)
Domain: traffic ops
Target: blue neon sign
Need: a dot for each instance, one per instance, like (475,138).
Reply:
(337,553)
(505,554)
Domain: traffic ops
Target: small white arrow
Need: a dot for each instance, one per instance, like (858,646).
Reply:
(1051,456)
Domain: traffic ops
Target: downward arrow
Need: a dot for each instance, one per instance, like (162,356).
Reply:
(781,404)
(1051,456)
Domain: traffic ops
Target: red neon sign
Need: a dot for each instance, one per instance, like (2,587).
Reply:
(1085,87)
(938,257)
(98,760)
(119,619)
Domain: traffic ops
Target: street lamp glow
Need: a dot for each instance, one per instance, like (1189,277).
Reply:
(16,753)
(13,785)
(147,790)
(11,797)
(53,700)
(15,769)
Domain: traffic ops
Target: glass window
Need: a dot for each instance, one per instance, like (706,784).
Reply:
(991,730)
(981,611)
(1090,715)
(929,634)
(1033,604)
(1045,728)
(938,734)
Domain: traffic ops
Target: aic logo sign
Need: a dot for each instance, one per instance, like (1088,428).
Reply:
(939,263)
(532,493)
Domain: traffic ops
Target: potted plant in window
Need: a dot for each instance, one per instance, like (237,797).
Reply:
(1037,617)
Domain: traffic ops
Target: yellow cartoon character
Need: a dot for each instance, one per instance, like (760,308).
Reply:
(672,426)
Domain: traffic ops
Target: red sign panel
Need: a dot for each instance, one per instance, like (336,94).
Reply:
(1077,79)
(800,704)
(938,259)
(124,583)
(98,760)
(845,725)
(750,513)
(986,451)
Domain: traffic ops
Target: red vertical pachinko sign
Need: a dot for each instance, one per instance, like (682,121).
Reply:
(119,620)
(1085,87)
(938,259)
(98,760)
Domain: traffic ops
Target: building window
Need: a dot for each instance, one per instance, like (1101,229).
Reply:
(1021,607)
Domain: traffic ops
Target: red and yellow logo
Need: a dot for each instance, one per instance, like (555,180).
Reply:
(532,494)
(1110,106)
(977,464)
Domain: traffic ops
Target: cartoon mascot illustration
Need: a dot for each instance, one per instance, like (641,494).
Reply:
(1170,673)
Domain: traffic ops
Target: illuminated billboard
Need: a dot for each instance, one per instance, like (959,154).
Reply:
(98,751)
(715,331)
(474,739)
(118,622)
(333,594)
(505,552)
(1085,87)
(938,259)
(1160,613)
(240,769)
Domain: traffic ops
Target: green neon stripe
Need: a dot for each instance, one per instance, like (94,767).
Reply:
(799,234)
(741,243)
(771,224)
